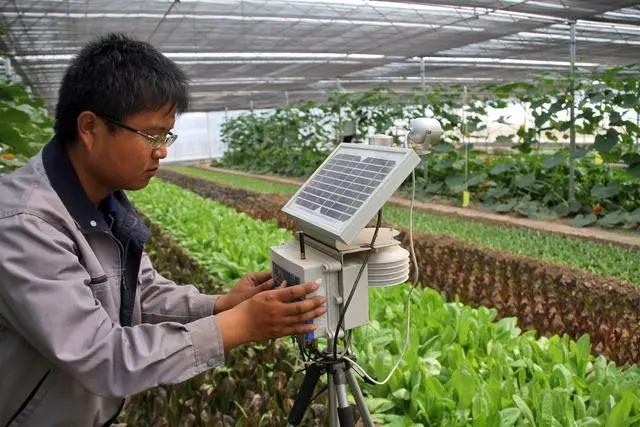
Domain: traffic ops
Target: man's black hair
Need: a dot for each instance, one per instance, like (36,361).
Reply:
(117,76)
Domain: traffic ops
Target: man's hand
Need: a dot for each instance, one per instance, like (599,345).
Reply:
(248,285)
(271,314)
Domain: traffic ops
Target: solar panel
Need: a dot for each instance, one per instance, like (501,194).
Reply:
(344,184)
(352,184)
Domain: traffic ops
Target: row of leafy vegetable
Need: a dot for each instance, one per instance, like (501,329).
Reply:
(597,258)
(462,367)
(295,139)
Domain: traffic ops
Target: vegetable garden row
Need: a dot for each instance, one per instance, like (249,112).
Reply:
(463,367)
(595,257)
(529,180)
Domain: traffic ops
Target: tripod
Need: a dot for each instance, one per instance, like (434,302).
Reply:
(339,373)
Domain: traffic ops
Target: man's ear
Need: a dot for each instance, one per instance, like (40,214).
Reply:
(87,123)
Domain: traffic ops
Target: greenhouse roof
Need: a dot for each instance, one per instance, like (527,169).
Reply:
(264,53)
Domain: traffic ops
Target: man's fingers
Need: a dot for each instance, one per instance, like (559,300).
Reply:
(265,286)
(301,307)
(292,293)
(305,316)
(299,329)
(261,277)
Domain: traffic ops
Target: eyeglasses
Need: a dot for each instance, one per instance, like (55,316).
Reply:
(156,141)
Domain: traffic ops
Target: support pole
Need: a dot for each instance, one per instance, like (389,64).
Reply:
(422,73)
(572,118)
(286,97)
(173,3)
(7,68)
(465,130)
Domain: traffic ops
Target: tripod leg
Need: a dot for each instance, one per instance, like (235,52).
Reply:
(357,394)
(345,412)
(333,403)
(304,394)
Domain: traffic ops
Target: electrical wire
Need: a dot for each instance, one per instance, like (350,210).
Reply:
(413,286)
(353,289)
(416,270)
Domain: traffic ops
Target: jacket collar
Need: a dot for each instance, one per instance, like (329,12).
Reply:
(66,183)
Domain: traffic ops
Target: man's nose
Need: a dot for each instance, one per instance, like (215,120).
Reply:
(160,152)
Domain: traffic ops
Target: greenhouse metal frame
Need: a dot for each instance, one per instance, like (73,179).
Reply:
(264,53)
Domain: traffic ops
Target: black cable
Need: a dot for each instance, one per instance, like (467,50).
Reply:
(322,390)
(353,289)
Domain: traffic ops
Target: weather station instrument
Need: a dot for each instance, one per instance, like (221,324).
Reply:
(339,248)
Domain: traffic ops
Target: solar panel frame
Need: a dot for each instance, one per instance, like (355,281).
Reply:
(341,196)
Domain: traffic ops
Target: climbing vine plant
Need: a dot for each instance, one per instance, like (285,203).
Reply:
(529,179)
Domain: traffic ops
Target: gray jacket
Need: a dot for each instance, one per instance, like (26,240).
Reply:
(85,320)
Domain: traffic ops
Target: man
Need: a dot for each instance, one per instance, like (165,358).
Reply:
(85,320)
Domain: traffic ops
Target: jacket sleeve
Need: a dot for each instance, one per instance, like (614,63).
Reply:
(162,300)
(45,297)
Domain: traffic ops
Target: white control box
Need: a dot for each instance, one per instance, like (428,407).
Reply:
(335,283)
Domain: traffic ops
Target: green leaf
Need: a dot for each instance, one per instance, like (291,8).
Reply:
(500,169)
(563,376)
(524,408)
(579,153)
(528,208)
(631,159)
(589,422)
(574,206)
(615,119)
(579,407)
(620,413)
(497,193)
(561,210)
(612,219)
(402,394)
(443,164)
(456,183)
(602,192)
(377,404)
(480,407)
(525,181)
(541,119)
(434,187)
(546,410)
(443,148)
(628,100)
(432,366)
(604,143)
(552,162)
(584,221)
(506,207)
(634,217)
(11,137)
(582,354)
(477,180)
(509,417)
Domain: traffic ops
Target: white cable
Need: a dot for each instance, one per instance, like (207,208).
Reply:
(413,196)
(411,248)
(404,349)
(415,265)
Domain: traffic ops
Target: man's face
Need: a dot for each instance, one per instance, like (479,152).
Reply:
(125,159)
